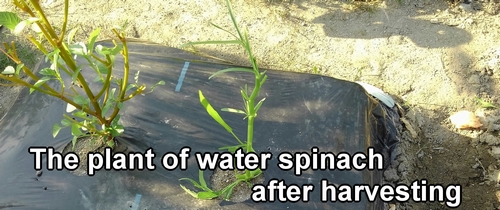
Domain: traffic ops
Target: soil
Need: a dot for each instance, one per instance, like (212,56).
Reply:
(434,57)
(241,192)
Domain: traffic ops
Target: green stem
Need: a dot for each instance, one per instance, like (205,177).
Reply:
(124,82)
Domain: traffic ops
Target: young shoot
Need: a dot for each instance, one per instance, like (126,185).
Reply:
(251,106)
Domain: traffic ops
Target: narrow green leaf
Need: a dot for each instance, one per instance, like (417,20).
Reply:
(237,111)
(213,113)
(55,130)
(207,195)
(202,179)
(232,149)
(193,182)
(75,74)
(231,70)
(73,141)
(9,20)
(224,30)
(485,104)
(244,95)
(136,77)
(92,38)
(257,107)
(211,42)
(263,80)
(189,191)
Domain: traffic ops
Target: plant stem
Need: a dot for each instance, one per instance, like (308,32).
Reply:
(123,86)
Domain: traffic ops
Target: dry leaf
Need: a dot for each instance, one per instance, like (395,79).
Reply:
(465,119)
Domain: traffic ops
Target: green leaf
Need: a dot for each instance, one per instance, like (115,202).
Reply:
(237,111)
(155,85)
(257,107)
(213,113)
(75,74)
(485,104)
(48,72)
(223,30)
(9,70)
(80,114)
(207,195)
(111,143)
(120,105)
(193,182)
(106,108)
(232,149)
(9,20)
(202,179)
(189,191)
(103,69)
(73,141)
(75,130)
(65,122)
(117,130)
(78,49)
(211,42)
(92,38)
(136,77)
(41,81)
(80,100)
(108,51)
(263,80)
(231,70)
(18,68)
(71,34)
(55,130)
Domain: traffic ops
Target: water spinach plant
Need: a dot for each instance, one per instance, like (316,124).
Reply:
(91,112)
(251,107)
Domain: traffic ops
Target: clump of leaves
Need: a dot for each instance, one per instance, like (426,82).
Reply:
(90,112)
(251,107)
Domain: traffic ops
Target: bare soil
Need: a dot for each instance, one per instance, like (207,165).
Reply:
(433,56)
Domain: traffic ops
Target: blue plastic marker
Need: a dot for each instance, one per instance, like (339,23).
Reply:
(136,201)
(181,77)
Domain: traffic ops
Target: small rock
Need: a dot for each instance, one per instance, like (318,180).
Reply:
(495,152)
(465,119)
(39,173)
(474,79)
(489,139)
(391,175)
(434,21)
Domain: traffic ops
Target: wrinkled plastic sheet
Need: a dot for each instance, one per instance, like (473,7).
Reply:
(301,111)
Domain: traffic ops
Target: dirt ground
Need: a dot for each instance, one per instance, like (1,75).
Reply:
(435,57)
